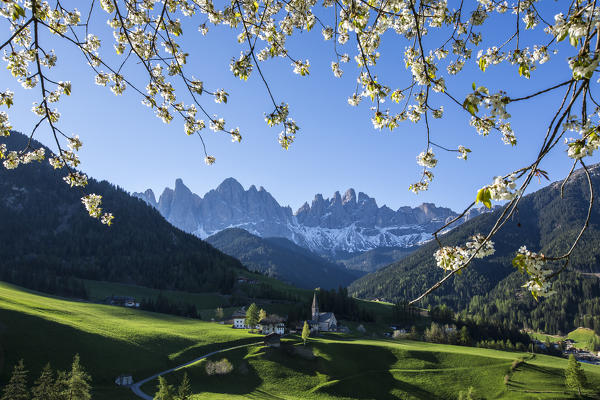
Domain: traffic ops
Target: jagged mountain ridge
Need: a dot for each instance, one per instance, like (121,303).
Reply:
(350,223)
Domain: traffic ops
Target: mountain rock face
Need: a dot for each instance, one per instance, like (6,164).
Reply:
(342,224)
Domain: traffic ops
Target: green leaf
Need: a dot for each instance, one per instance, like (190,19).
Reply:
(484,195)
(482,65)
(474,86)
(470,107)
(18,12)
(519,262)
(524,71)
(534,295)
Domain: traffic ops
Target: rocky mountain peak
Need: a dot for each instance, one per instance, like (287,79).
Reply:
(341,223)
(229,186)
(336,199)
(304,208)
(349,197)
(365,200)
(147,196)
(181,189)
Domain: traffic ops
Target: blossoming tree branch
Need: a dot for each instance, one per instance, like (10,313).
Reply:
(439,39)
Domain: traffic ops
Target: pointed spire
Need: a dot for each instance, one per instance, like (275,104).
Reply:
(315,308)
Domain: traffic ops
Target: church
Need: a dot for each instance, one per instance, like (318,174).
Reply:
(321,321)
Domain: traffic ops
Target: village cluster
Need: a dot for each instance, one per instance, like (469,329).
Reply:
(274,326)
(269,324)
(568,347)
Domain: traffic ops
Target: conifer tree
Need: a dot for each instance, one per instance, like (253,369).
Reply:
(16,389)
(305,332)
(61,385)
(77,382)
(165,391)
(252,316)
(464,337)
(45,386)
(575,378)
(185,389)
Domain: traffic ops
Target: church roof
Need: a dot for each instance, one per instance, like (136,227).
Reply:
(326,316)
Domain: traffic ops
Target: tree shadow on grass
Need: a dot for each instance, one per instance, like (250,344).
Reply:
(359,372)
(39,341)
(545,370)
(374,385)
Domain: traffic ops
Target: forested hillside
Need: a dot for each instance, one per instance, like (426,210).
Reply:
(491,288)
(375,259)
(282,259)
(47,238)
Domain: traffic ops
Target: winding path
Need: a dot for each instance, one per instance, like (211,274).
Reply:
(136,387)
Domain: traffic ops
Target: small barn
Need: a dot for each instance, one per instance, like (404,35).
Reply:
(124,380)
(272,340)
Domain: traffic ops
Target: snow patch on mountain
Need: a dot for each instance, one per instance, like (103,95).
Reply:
(349,223)
(353,238)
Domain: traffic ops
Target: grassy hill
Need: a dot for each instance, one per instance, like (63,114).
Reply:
(113,340)
(376,369)
(110,340)
(584,338)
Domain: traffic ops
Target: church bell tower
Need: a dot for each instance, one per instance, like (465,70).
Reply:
(315,308)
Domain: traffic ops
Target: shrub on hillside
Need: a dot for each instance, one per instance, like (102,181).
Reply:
(222,367)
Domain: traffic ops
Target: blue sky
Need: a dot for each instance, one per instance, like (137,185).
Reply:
(337,147)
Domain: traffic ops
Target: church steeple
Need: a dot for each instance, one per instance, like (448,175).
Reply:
(315,308)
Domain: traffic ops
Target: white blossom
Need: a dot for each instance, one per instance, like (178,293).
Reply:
(453,258)
(427,159)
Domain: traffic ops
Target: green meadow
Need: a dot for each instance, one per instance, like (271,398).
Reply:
(379,369)
(110,340)
(584,338)
(114,340)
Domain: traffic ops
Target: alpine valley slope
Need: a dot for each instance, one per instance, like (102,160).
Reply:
(334,227)
(490,288)
(282,259)
(47,237)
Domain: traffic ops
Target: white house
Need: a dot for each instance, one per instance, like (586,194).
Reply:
(272,324)
(239,319)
